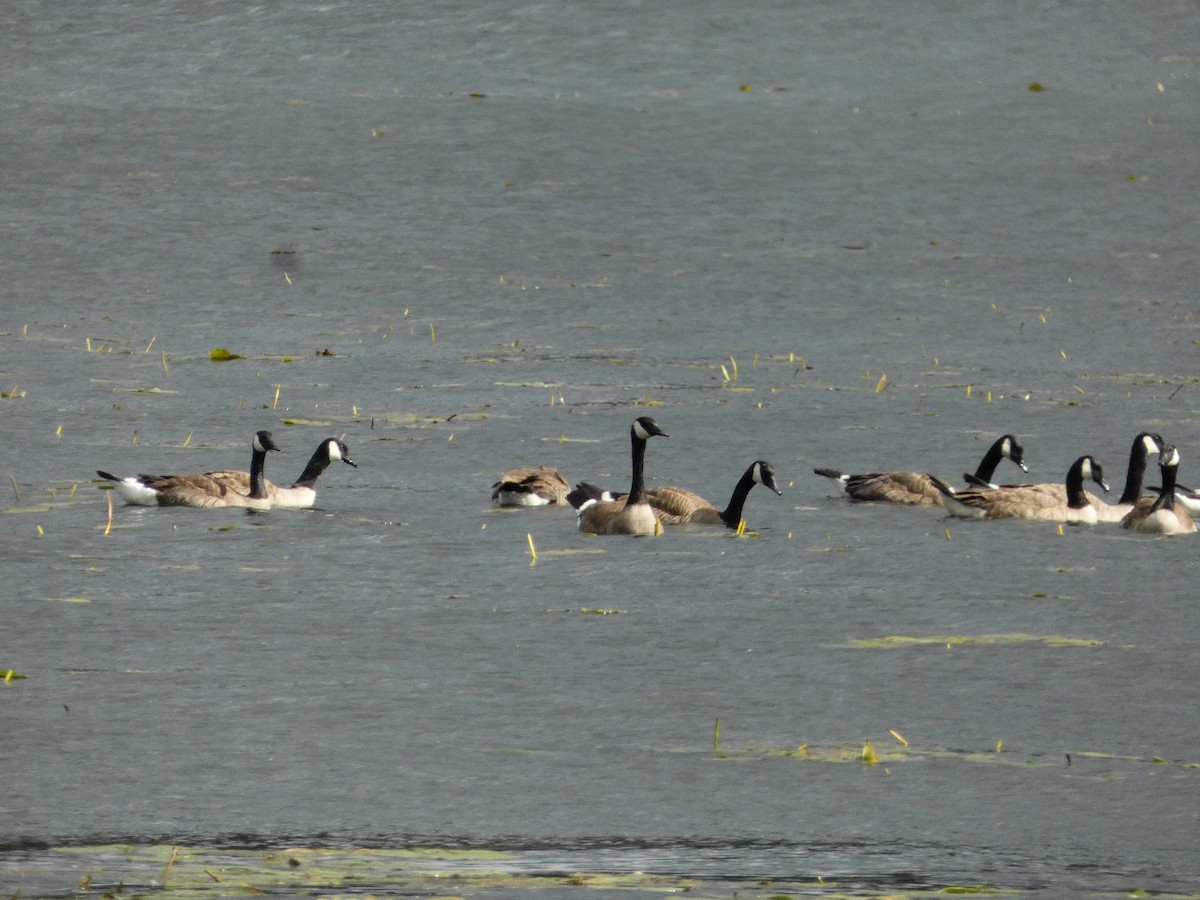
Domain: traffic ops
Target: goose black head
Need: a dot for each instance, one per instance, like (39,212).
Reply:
(1013,450)
(645,427)
(336,449)
(764,474)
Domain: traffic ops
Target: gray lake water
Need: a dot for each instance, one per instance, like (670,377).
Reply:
(821,234)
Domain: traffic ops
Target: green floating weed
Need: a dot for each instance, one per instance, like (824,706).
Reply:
(220,354)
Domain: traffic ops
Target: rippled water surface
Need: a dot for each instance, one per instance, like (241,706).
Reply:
(473,237)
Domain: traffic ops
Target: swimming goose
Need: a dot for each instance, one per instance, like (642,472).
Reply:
(1030,502)
(1162,515)
(917,488)
(679,506)
(542,486)
(1145,445)
(201,491)
(633,514)
(303,492)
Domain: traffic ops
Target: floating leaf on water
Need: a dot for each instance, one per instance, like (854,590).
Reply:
(1036,87)
(10,675)
(220,354)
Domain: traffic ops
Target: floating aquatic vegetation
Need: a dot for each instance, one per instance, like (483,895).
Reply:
(952,640)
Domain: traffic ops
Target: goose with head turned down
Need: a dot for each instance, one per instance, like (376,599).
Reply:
(633,513)
(917,488)
(1162,514)
(303,492)
(1030,502)
(679,506)
(199,491)
(542,486)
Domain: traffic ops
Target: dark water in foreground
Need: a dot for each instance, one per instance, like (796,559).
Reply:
(513,231)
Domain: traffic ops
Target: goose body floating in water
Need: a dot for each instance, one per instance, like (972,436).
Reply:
(917,488)
(201,491)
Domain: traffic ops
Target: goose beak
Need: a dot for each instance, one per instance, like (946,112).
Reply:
(348,461)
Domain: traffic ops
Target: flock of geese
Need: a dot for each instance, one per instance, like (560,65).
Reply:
(641,511)
(1167,510)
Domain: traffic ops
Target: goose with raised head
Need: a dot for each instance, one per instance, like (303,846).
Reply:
(632,514)
(679,506)
(1163,514)
(303,492)
(1030,502)
(917,488)
(542,486)
(201,491)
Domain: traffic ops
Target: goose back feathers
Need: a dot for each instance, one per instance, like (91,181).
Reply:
(542,486)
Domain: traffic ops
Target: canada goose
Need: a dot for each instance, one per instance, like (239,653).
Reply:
(201,491)
(303,492)
(632,515)
(679,506)
(1030,502)
(917,488)
(1162,515)
(1145,444)
(542,486)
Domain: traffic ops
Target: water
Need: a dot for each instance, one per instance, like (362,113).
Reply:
(514,230)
